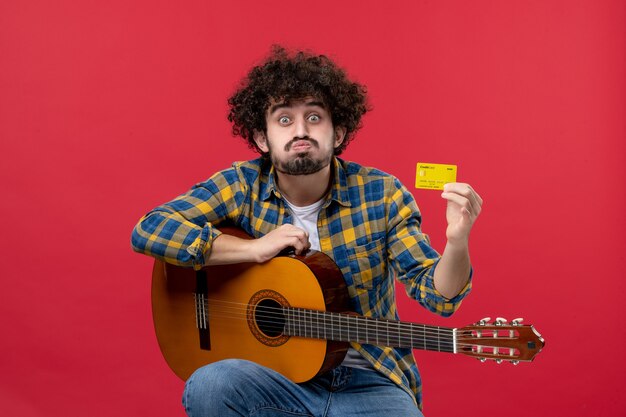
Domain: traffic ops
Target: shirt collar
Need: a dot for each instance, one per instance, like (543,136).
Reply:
(271,182)
(339,186)
(338,189)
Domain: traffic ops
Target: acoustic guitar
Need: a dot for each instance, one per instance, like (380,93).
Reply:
(292,314)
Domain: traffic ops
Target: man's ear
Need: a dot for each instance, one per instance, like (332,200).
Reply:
(261,141)
(340,135)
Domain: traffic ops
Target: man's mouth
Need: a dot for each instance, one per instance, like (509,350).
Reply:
(301,145)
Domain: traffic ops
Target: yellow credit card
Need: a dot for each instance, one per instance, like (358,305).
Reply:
(434,176)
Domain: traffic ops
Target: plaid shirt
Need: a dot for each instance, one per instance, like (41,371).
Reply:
(369,225)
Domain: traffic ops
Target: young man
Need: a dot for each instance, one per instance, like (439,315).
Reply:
(300,111)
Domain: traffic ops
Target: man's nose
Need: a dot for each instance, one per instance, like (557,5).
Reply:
(301,129)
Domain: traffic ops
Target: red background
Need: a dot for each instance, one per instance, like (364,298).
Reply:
(110,108)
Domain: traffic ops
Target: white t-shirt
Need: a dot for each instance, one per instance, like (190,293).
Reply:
(306,219)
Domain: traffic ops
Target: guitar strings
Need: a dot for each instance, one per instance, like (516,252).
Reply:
(272,313)
(404,340)
(268,316)
(299,316)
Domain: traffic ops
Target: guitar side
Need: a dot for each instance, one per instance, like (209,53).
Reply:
(312,281)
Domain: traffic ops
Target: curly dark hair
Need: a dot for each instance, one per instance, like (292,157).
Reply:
(285,76)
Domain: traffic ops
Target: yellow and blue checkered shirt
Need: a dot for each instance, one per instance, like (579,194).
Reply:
(369,225)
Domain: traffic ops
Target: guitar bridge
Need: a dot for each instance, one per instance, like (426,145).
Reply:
(202,310)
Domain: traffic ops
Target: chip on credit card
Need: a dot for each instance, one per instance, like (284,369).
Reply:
(433,176)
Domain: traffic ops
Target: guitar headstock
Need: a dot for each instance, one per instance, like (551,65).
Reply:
(499,341)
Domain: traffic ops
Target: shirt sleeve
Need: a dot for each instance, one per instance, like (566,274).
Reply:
(181,232)
(411,255)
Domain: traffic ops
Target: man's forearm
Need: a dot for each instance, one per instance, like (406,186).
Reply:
(453,270)
(227,249)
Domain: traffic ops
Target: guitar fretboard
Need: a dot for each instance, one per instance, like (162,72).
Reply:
(343,327)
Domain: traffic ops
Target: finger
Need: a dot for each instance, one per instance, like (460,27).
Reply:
(476,196)
(292,230)
(466,191)
(301,235)
(299,246)
(471,193)
(465,205)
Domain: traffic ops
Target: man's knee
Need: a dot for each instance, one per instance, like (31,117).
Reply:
(208,386)
(221,376)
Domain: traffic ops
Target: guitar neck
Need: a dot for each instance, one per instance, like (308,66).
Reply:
(342,327)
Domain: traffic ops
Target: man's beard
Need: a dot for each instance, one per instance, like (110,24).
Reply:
(303,163)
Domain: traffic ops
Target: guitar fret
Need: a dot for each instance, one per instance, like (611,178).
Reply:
(438,340)
(339,328)
(342,328)
(350,329)
(317,317)
(307,323)
(387,333)
(395,335)
(376,324)
(423,331)
(294,329)
(431,344)
(320,325)
(339,325)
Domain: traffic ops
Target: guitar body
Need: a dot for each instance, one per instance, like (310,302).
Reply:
(235,327)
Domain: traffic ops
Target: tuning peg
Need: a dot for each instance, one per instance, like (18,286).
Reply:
(484,321)
(515,362)
(517,322)
(498,361)
(500,321)
(483,360)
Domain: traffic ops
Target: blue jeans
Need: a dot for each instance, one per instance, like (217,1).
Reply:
(236,387)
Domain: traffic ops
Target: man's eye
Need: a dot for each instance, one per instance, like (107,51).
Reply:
(314,118)
(283,120)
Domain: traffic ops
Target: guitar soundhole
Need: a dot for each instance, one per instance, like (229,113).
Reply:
(266,317)
(269,318)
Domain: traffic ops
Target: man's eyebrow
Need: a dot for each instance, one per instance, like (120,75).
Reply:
(279,106)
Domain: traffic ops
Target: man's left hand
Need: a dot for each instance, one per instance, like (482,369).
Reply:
(464,206)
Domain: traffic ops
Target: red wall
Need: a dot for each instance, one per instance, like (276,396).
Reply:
(110,108)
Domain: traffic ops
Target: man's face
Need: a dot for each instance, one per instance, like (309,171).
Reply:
(300,136)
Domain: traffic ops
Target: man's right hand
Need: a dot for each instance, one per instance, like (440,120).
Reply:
(277,240)
(227,249)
